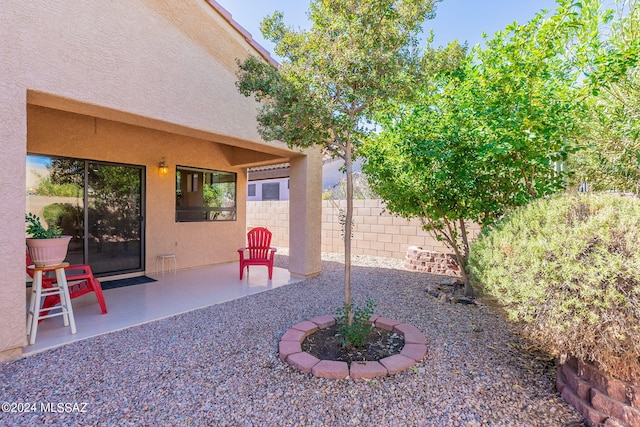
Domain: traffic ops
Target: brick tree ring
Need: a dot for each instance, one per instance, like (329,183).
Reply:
(290,351)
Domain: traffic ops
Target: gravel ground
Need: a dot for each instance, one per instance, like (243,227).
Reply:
(219,366)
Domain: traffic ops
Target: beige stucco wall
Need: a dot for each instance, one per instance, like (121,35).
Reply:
(305,201)
(123,81)
(131,55)
(12,177)
(195,244)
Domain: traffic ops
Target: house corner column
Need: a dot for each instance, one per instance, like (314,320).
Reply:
(13,148)
(305,213)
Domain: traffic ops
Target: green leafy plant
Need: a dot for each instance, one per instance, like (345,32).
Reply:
(354,333)
(38,231)
(610,159)
(482,139)
(566,269)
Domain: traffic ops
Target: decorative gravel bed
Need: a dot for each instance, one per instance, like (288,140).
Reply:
(219,366)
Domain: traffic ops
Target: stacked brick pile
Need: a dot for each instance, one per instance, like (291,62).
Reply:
(600,400)
(418,259)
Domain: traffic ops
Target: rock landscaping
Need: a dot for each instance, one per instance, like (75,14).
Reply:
(220,365)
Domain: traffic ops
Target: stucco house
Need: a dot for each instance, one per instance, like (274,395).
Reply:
(129,107)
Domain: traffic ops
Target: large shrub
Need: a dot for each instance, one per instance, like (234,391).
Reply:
(567,268)
(66,216)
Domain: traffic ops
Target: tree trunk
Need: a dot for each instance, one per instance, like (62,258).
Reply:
(347,229)
(462,258)
(468,289)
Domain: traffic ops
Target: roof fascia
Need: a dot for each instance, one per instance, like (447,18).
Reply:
(247,35)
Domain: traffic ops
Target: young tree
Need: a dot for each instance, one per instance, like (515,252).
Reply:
(484,138)
(357,53)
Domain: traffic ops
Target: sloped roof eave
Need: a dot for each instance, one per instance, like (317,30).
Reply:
(247,35)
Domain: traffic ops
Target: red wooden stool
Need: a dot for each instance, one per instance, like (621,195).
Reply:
(84,283)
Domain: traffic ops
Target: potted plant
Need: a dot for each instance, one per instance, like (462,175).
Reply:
(47,246)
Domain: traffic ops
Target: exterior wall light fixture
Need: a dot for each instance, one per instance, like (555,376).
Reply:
(163,167)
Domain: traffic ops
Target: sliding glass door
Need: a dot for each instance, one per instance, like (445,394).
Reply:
(114,217)
(99,204)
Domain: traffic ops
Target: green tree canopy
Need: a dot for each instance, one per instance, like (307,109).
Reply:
(610,159)
(486,137)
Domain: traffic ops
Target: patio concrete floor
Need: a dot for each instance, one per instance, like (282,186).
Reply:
(171,294)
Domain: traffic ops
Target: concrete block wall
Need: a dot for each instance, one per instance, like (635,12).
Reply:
(273,215)
(375,231)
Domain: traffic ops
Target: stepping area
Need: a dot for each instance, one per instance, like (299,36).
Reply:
(290,350)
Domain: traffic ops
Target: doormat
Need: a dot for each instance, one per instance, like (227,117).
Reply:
(120,283)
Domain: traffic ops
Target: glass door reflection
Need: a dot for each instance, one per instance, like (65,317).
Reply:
(114,217)
(98,204)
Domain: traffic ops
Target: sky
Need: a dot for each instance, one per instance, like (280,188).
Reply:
(464,20)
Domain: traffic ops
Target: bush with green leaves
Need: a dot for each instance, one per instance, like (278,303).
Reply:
(354,334)
(67,216)
(567,268)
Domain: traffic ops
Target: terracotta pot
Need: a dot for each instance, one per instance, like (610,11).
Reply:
(48,252)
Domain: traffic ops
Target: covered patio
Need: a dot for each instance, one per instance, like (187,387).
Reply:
(172,294)
(127,128)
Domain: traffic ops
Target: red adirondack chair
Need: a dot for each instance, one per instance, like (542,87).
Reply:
(81,281)
(258,249)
